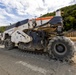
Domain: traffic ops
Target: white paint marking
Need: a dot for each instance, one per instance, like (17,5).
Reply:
(33,67)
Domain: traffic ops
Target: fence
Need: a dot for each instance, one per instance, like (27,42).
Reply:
(71,34)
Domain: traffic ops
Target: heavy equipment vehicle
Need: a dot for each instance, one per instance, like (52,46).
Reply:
(40,34)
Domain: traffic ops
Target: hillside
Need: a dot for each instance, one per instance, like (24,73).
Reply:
(69,16)
(2,28)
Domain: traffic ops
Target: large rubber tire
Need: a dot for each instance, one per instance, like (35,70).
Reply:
(61,48)
(8,44)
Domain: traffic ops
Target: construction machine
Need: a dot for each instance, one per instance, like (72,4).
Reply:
(40,34)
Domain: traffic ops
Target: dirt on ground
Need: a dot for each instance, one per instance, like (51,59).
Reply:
(17,62)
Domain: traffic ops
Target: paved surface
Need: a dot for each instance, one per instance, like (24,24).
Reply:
(17,62)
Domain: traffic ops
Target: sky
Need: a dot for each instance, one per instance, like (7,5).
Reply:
(12,11)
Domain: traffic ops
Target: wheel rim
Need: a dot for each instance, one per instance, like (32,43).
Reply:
(60,49)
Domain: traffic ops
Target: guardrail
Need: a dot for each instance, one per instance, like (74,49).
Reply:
(71,35)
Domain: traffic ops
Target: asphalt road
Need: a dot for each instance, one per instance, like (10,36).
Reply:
(17,62)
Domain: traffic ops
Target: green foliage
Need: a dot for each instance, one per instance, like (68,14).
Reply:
(2,29)
(69,16)
(49,14)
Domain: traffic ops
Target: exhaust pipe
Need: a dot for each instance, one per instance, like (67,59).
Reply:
(58,13)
